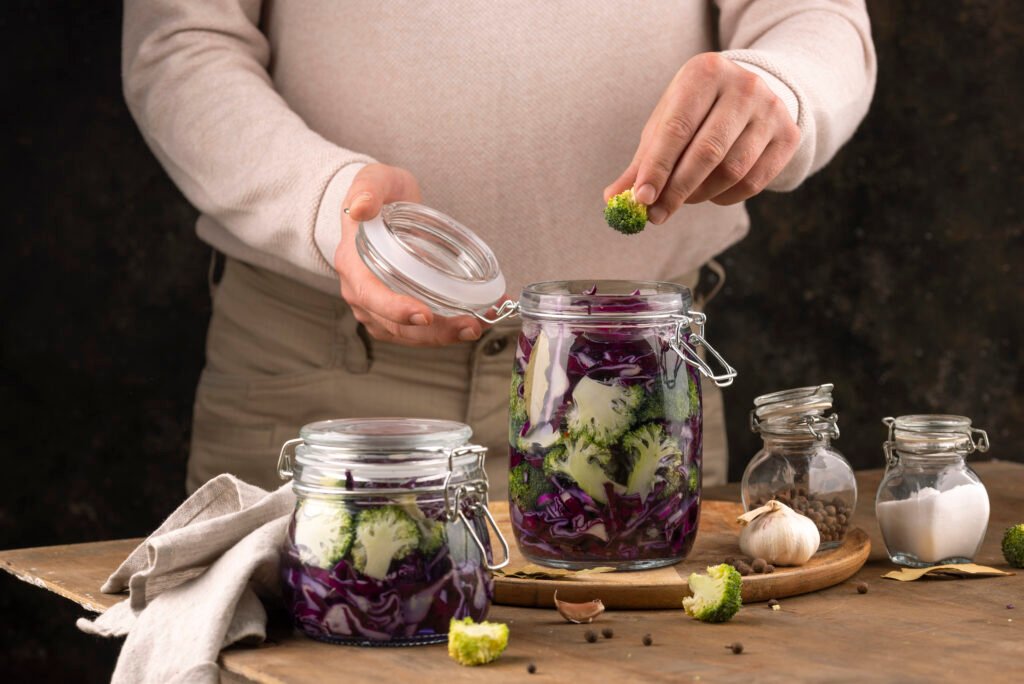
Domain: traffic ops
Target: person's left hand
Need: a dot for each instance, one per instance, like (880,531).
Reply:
(718,133)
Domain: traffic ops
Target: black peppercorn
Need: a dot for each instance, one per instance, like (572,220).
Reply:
(769,569)
(758,565)
(736,647)
(772,602)
(590,636)
(742,568)
(862,587)
(607,633)
(647,640)
(531,668)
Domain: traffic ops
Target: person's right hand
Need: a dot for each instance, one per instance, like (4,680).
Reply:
(387,315)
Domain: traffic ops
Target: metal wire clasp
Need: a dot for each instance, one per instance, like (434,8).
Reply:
(506,309)
(478,490)
(689,354)
(284,459)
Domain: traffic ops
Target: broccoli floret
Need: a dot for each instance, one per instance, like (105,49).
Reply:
(651,450)
(602,413)
(382,535)
(674,404)
(1013,545)
(584,463)
(716,595)
(476,643)
(694,479)
(525,484)
(516,409)
(432,532)
(625,214)
(323,532)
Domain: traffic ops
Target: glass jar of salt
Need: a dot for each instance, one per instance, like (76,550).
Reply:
(931,507)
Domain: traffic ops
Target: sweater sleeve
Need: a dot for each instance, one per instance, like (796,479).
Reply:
(818,57)
(196,81)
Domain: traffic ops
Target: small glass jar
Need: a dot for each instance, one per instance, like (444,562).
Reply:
(931,507)
(606,421)
(388,541)
(798,465)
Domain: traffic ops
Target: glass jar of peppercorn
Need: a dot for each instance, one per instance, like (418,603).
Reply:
(798,465)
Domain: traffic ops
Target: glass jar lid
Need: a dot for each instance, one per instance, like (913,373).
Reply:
(423,253)
(796,412)
(934,434)
(381,454)
(396,438)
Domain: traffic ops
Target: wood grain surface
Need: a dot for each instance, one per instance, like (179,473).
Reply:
(665,587)
(923,631)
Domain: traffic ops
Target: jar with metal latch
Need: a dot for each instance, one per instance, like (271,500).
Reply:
(931,507)
(605,428)
(798,465)
(389,538)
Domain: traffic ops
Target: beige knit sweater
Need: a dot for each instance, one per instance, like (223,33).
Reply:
(513,115)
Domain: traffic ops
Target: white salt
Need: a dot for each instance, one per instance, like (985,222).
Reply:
(933,525)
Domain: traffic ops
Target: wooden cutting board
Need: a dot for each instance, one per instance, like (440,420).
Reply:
(717,537)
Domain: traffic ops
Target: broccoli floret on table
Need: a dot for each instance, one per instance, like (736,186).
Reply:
(1013,545)
(716,594)
(472,643)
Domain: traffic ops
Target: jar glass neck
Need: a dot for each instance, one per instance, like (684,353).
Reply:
(794,442)
(938,459)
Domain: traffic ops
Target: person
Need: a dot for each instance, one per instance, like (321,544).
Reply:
(274,119)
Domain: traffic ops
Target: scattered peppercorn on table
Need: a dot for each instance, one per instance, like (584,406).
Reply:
(928,630)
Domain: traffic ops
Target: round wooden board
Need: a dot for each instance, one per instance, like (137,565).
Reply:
(665,587)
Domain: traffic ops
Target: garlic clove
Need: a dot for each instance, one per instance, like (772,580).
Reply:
(579,612)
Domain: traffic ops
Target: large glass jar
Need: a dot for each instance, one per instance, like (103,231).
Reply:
(931,507)
(605,424)
(798,465)
(606,412)
(389,539)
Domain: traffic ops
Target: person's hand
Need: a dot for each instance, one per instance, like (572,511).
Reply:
(387,315)
(718,133)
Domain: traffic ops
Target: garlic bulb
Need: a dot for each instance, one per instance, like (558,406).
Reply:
(778,534)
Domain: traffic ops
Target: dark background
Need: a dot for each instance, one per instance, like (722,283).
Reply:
(895,274)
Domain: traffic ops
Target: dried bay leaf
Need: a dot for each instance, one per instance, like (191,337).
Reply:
(954,569)
(534,571)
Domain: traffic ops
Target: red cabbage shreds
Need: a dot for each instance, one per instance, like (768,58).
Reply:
(622,481)
(413,603)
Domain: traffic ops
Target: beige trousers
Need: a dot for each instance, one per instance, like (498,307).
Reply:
(280,355)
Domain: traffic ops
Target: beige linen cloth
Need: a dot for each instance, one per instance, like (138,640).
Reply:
(194,584)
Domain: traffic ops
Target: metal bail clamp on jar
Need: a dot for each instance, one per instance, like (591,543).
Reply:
(798,465)
(428,255)
(931,507)
(389,538)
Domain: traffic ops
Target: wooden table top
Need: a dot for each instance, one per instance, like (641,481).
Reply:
(938,629)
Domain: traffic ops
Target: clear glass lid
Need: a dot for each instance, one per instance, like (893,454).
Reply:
(397,435)
(794,412)
(423,253)
(924,434)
